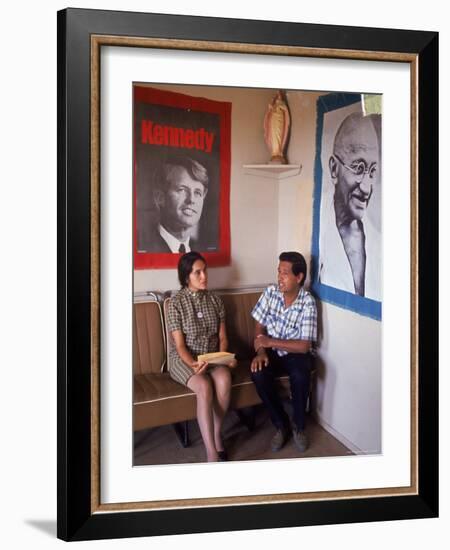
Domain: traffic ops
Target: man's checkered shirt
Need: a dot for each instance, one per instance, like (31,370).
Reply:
(297,322)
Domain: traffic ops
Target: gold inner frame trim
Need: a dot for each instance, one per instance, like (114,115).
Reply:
(97,41)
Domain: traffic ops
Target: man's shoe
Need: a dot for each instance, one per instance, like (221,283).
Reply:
(300,440)
(278,440)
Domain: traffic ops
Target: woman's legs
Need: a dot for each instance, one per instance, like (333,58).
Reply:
(221,377)
(211,408)
(201,385)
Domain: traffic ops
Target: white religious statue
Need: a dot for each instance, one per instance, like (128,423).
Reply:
(276,128)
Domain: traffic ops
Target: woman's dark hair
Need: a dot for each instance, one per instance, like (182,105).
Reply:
(298,263)
(185,264)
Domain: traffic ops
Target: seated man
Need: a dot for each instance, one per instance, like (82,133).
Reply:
(286,326)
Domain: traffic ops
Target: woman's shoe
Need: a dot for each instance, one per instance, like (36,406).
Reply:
(223,456)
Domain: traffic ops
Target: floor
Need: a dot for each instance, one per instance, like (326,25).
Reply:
(161,445)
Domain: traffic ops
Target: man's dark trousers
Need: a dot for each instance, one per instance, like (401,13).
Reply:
(298,367)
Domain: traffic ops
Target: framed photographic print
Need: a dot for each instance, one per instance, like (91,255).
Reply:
(163,153)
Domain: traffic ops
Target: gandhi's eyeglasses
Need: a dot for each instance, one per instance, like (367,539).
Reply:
(359,168)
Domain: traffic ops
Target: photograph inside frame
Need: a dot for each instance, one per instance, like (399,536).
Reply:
(257,274)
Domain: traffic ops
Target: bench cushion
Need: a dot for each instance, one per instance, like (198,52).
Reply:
(159,400)
(239,322)
(148,339)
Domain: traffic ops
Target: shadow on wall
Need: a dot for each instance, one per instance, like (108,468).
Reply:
(233,275)
(322,373)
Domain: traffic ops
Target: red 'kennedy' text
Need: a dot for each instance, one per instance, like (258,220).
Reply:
(172,136)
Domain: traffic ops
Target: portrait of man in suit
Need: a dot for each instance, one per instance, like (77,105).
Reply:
(180,187)
(181,178)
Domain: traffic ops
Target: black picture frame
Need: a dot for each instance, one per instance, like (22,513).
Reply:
(79,516)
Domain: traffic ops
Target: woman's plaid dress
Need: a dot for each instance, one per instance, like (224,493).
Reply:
(198,315)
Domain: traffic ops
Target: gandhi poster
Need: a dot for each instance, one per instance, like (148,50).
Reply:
(182,177)
(347,214)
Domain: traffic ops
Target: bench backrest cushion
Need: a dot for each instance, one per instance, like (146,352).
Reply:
(148,338)
(239,322)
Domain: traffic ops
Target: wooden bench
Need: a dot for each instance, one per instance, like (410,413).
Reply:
(157,399)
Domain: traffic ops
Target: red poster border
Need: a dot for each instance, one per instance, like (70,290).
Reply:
(152,260)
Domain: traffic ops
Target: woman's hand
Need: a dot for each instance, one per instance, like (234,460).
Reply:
(200,367)
(232,364)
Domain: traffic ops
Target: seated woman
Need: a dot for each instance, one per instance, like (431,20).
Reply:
(196,322)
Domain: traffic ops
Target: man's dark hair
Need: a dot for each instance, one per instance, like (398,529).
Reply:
(185,264)
(298,263)
(171,164)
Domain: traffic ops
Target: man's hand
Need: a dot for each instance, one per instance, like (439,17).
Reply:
(260,361)
(262,341)
(200,367)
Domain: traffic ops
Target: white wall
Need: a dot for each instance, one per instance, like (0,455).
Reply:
(348,384)
(349,371)
(296,194)
(253,200)
(28,280)
(266,216)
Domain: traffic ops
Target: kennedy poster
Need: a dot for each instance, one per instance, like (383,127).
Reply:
(181,178)
(347,203)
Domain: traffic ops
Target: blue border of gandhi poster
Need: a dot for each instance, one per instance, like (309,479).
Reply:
(343,297)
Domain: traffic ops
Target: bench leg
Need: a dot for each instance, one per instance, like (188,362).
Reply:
(308,403)
(310,392)
(182,431)
(247,419)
